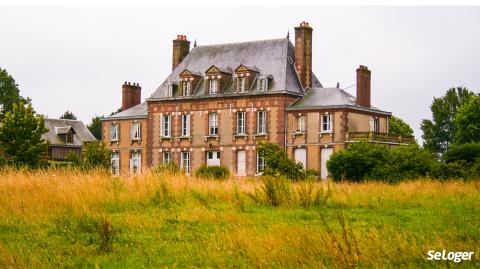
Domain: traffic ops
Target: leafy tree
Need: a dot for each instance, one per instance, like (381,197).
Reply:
(68,115)
(21,136)
(96,155)
(9,93)
(277,162)
(467,121)
(439,133)
(95,127)
(399,127)
(468,153)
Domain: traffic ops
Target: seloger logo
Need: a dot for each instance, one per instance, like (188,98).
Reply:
(459,256)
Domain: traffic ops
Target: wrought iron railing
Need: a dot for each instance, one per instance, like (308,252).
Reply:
(380,137)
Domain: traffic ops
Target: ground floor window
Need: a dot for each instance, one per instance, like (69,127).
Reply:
(135,163)
(167,157)
(301,156)
(260,164)
(185,162)
(213,158)
(115,163)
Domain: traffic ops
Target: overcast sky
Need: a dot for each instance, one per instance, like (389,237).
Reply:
(76,58)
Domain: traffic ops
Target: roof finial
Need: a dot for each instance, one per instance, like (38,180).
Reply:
(288,34)
(338,85)
(195,43)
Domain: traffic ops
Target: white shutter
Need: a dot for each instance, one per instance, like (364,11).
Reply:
(139,169)
(372,124)
(131,165)
(330,118)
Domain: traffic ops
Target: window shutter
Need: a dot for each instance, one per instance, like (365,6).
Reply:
(330,117)
(161,125)
(372,127)
(139,163)
(131,164)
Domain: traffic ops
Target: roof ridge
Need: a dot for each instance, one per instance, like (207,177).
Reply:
(240,42)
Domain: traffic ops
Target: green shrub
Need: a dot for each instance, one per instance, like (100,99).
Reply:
(465,152)
(277,162)
(96,155)
(212,172)
(168,168)
(452,170)
(355,162)
(405,162)
(74,159)
(275,191)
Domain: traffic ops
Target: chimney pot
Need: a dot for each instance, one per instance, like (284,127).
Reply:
(181,47)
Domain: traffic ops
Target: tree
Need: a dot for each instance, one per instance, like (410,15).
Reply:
(467,122)
(439,133)
(96,155)
(95,127)
(21,136)
(9,93)
(399,127)
(68,115)
(277,162)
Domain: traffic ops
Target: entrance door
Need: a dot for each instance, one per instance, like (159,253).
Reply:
(301,157)
(213,158)
(326,152)
(241,163)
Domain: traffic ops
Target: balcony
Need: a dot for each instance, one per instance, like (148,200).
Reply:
(380,138)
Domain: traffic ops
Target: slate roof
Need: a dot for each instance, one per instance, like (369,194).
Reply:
(274,57)
(329,98)
(57,128)
(138,111)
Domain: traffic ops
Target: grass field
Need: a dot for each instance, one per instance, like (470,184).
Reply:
(58,219)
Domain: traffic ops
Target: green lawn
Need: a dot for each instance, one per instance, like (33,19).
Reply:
(150,223)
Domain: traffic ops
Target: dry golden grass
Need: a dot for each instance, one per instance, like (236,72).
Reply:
(182,221)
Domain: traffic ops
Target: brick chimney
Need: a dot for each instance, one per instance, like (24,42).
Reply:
(131,95)
(363,86)
(303,53)
(181,47)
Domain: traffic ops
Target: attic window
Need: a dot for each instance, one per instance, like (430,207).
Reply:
(242,84)
(213,86)
(264,84)
(172,87)
(186,88)
(69,138)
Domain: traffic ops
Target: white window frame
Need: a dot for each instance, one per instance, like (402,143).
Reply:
(166,132)
(242,84)
(186,88)
(326,124)
(263,84)
(115,127)
(241,120)
(185,161)
(135,163)
(301,124)
(135,131)
(213,124)
(115,163)
(186,125)
(167,157)
(212,86)
(260,165)
(261,122)
(376,125)
(169,90)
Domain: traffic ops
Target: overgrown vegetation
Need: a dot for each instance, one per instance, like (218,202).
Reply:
(62,218)
(277,162)
(213,172)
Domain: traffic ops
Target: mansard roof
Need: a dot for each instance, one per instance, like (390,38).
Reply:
(325,98)
(273,58)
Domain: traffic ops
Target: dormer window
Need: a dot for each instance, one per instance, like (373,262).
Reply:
(186,88)
(242,84)
(171,88)
(69,138)
(213,86)
(264,83)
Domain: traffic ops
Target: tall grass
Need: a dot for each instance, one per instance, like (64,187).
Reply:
(60,218)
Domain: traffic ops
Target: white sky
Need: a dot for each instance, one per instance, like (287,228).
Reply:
(76,58)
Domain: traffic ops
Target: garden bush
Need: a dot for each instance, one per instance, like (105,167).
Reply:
(277,162)
(213,172)
(465,152)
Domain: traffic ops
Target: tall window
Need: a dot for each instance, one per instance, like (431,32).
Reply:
(242,84)
(241,123)
(262,122)
(186,88)
(326,123)
(135,163)
(260,164)
(213,124)
(186,125)
(376,125)
(170,89)
(213,86)
(115,163)
(167,157)
(301,122)
(135,131)
(166,126)
(114,131)
(185,161)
